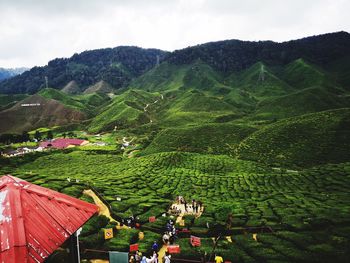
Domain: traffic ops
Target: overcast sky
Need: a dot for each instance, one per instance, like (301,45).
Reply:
(32,32)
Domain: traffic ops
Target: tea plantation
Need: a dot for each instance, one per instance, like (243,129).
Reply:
(308,210)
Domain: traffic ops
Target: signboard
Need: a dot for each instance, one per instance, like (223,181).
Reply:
(134,247)
(118,257)
(195,241)
(174,249)
(108,233)
(152,219)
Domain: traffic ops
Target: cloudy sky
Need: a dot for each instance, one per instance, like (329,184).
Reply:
(32,32)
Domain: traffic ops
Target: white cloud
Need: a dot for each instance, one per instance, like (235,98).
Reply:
(32,32)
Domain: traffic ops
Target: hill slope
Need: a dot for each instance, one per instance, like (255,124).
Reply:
(308,140)
(25,116)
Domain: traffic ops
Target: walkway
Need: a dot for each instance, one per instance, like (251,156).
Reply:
(103,209)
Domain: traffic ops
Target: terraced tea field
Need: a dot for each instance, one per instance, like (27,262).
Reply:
(308,210)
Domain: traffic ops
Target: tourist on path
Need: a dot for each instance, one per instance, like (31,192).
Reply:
(167,257)
(218,259)
(155,246)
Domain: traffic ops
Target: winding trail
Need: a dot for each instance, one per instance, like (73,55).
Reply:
(148,104)
(103,209)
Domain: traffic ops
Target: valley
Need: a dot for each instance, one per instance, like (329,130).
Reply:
(258,132)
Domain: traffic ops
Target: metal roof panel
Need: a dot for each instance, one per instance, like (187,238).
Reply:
(35,221)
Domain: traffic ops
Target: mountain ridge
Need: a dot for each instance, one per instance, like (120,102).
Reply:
(118,66)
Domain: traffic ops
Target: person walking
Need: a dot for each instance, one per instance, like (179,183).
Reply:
(155,246)
(218,259)
(167,258)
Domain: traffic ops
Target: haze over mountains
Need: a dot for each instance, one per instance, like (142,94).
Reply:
(6,73)
(235,86)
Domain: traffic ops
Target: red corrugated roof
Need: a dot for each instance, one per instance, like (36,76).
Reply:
(35,221)
(61,143)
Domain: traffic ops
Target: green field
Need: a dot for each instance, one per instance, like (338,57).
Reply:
(307,209)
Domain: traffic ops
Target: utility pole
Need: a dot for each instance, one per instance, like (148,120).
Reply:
(262,73)
(74,247)
(46,81)
(158,59)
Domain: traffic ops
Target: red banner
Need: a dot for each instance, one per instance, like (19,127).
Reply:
(195,241)
(174,249)
(152,219)
(134,247)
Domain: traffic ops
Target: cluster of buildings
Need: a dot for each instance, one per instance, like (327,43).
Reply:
(60,143)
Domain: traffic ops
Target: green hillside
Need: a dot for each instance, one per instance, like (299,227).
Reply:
(125,110)
(261,82)
(164,77)
(219,138)
(309,100)
(86,103)
(301,74)
(308,140)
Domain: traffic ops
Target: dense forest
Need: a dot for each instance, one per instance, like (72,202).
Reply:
(236,55)
(117,66)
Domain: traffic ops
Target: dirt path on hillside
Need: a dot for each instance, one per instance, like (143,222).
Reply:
(103,209)
(145,109)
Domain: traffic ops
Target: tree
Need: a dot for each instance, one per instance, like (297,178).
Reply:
(49,135)
(37,135)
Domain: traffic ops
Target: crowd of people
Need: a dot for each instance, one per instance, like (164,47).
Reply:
(170,234)
(131,221)
(184,207)
(138,257)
